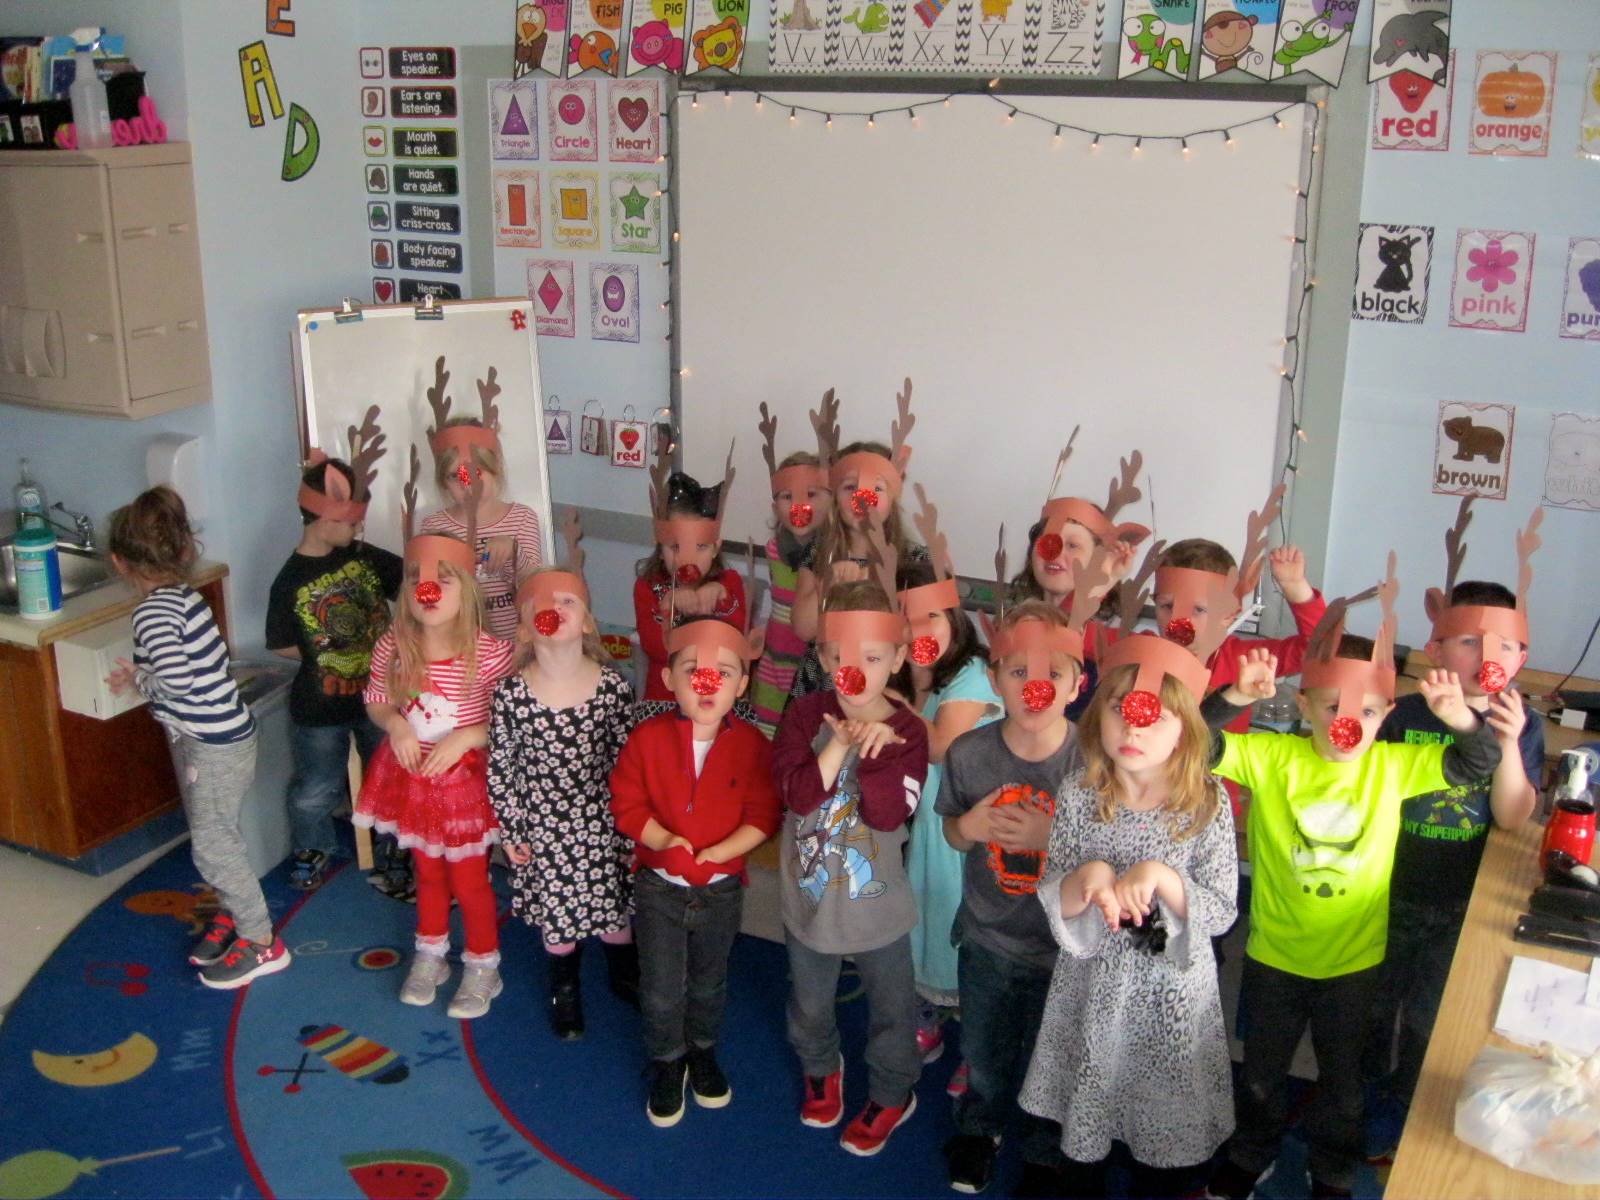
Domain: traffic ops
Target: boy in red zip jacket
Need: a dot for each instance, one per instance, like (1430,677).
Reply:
(694,791)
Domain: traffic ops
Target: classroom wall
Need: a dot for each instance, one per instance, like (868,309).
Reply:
(1396,375)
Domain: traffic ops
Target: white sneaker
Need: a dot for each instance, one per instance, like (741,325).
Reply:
(479,985)
(427,972)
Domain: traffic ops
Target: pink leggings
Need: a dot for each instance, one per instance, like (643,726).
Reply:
(621,937)
(468,881)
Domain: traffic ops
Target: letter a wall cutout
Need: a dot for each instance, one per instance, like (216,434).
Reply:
(255,72)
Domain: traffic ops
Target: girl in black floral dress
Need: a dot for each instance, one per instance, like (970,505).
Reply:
(555,730)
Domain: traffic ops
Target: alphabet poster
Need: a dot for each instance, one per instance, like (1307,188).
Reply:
(1237,35)
(935,32)
(1409,35)
(1412,112)
(800,42)
(1314,37)
(1580,305)
(1511,102)
(1472,450)
(1572,470)
(1157,35)
(1493,271)
(1392,264)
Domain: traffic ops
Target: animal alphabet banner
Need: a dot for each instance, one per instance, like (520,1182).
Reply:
(1237,35)
(539,41)
(1412,112)
(594,39)
(1493,273)
(1472,450)
(1511,103)
(1157,35)
(1410,35)
(717,32)
(1580,305)
(1314,38)
(656,39)
(1392,264)
(1572,470)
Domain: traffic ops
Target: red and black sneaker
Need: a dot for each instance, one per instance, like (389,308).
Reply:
(244,961)
(870,1131)
(823,1104)
(214,942)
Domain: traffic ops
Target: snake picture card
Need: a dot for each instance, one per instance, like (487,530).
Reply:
(1157,38)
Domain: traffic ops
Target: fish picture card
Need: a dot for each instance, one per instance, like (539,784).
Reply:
(1410,35)
(1157,36)
(1237,35)
(1314,37)
(594,37)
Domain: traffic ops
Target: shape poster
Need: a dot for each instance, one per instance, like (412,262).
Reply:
(513,118)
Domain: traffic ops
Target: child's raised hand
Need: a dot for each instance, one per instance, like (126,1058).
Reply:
(1258,674)
(518,852)
(1288,566)
(841,729)
(121,678)
(1136,890)
(976,823)
(1119,560)
(1506,717)
(1442,691)
(407,748)
(501,550)
(1020,827)
(873,736)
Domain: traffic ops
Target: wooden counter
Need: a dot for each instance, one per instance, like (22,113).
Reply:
(1432,1162)
(90,609)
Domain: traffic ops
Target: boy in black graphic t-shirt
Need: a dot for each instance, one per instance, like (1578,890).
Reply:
(327,608)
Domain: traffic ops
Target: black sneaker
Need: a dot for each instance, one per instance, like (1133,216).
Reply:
(214,942)
(970,1158)
(306,873)
(706,1080)
(244,961)
(667,1081)
(1230,1181)
(395,883)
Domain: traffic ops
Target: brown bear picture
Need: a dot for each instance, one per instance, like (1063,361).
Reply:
(1474,440)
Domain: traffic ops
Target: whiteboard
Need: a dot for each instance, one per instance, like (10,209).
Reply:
(1024,286)
(387,358)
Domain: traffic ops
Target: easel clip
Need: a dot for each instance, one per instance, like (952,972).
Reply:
(349,312)
(430,309)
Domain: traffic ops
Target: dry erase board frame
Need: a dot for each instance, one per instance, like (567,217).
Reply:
(386,358)
(1028,449)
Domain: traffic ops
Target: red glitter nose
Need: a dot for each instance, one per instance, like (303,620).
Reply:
(464,475)
(706,681)
(925,650)
(1038,695)
(801,515)
(849,681)
(429,592)
(1141,709)
(1492,677)
(546,621)
(689,574)
(1345,733)
(1180,630)
(1049,546)
(863,499)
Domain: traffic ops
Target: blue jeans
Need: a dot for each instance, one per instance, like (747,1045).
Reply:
(321,777)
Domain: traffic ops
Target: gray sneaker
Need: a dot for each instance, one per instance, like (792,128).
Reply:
(479,985)
(427,972)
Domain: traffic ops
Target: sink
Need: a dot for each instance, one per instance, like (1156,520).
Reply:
(81,571)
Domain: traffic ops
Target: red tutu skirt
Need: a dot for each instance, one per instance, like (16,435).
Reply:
(443,816)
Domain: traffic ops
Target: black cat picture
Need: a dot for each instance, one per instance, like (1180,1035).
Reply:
(1395,255)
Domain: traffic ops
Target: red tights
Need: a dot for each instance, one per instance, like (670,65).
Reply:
(468,881)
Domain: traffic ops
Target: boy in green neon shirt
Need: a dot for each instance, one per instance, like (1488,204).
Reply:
(1322,826)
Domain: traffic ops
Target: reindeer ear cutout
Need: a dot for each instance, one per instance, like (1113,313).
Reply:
(756,642)
(334,485)
(1131,533)
(1434,602)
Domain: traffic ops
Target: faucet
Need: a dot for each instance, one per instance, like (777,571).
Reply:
(82,525)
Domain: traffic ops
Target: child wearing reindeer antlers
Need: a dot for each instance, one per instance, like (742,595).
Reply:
(327,608)
(694,790)
(850,765)
(1480,632)
(556,727)
(466,450)
(1323,822)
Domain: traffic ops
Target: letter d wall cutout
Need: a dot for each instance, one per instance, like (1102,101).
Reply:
(302,142)
(296,163)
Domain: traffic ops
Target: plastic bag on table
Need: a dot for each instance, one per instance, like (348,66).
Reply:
(1535,1113)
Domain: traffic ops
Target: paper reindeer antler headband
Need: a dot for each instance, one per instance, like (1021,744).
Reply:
(849,628)
(800,479)
(869,467)
(541,588)
(1353,678)
(338,501)
(685,527)
(428,550)
(707,637)
(919,604)
(1191,588)
(1498,627)
(1057,512)
(444,437)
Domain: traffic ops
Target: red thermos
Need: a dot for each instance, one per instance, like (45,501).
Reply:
(1571,829)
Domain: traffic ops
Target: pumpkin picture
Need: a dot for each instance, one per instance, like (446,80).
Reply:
(1511,93)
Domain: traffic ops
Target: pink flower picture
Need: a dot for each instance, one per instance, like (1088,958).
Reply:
(1492,266)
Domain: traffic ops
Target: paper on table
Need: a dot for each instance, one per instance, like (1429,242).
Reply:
(1544,1002)
(1592,996)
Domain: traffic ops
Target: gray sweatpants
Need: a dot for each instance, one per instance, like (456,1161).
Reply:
(893,1064)
(213,780)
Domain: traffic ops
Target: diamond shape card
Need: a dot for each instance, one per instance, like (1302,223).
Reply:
(555,312)
(575,210)
(573,121)
(516,208)
(614,302)
(634,121)
(513,118)
(635,211)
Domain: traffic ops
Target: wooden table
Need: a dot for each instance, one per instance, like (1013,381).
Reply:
(1431,1161)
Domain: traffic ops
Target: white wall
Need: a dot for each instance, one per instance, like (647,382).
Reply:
(1395,375)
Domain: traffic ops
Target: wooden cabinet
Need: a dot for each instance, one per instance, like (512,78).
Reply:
(101,305)
(69,783)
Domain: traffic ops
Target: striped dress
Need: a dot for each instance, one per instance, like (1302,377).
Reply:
(499,590)
(769,690)
(181,667)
